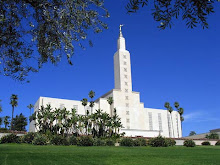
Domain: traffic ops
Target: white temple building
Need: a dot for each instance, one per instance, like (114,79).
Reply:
(136,119)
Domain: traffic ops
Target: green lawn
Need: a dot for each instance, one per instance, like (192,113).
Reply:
(36,155)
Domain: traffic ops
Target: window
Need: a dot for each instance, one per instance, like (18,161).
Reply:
(127,120)
(150,121)
(127,112)
(75,107)
(126,90)
(126,83)
(160,122)
(125,63)
(61,106)
(127,105)
(124,56)
(126,76)
(125,69)
(126,97)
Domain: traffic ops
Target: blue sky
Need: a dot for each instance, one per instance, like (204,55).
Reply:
(177,64)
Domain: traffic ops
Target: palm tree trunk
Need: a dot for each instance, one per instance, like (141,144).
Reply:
(12,116)
(172,124)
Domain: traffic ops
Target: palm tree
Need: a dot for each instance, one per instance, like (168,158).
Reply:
(110,101)
(171,110)
(84,103)
(181,111)
(0,107)
(176,105)
(14,103)
(167,106)
(91,95)
(30,106)
(6,122)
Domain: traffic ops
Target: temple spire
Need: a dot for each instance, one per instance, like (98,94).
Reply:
(121,39)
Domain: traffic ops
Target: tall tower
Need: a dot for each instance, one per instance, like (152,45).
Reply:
(122,66)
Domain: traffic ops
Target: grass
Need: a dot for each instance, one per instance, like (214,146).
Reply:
(16,154)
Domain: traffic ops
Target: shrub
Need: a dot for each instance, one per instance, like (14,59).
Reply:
(170,142)
(59,140)
(206,143)
(140,142)
(189,143)
(39,140)
(28,138)
(11,138)
(72,140)
(99,142)
(84,141)
(109,142)
(127,142)
(4,130)
(158,141)
(217,143)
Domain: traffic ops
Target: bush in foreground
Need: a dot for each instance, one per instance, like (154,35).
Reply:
(28,138)
(127,142)
(99,142)
(217,143)
(206,143)
(39,140)
(11,138)
(59,140)
(109,142)
(170,142)
(140,142)
(84,141)
(158,141)
(72,140)
(189,143)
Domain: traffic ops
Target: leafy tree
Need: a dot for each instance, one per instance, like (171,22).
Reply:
(193,12)
(52,27)
(0,122)
(6,121)
(19,122)
(212,136)
(192,133)
(14,103)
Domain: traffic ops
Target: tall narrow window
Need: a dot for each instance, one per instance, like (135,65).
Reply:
(126,97)
(125,69)
(124,56)
(150,121)
(126,83)
(125,63)
(126,76)
(127,105)
(127,112)
(127,120)
(160,122)
(126,90)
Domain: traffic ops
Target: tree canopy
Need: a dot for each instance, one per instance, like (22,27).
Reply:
(49,26)
(193,12)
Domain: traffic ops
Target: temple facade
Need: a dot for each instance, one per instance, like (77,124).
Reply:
(136,119)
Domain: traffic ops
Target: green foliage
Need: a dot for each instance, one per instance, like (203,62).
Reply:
(217,143)
(40,139)
(170,142)
(158,141)
(192,133)
(59,140)
(212,136)
(206,143)
(194,12)
(19,123)
(72,140)
(127,142)
(11,138)
(55,29)
(189,143)
(4,130)
(99,142)
(109,142)
(29,137)
(140,142)
(85,141)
